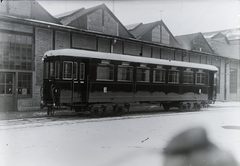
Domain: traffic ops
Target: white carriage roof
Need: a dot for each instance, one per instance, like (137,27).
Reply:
(126,58)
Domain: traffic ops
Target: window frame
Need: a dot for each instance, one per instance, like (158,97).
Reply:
(188,71)
(64,70)
(46,72)
(154,75)
(178,76)
(143,68)
(196,78)
(131,73)
(31,84)
(110,71)
(82,71)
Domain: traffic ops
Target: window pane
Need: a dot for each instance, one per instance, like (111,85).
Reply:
(173,76)
(2,89)
(8,89)
(2,78)
(24,83)
(188,77)
(9,79)
(75,69)
(124,73)
(57,70)
(143,74)
(82,71)
(52,72)
(67,70)
(46,65)
(105,72)
(159,76)
(200,78)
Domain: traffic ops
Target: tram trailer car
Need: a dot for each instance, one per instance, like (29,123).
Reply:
(101,83)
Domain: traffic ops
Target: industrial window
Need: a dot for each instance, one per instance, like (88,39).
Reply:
(67,70)
(125,73)
(57,70)
(16,51)
(143,74)
(105,72)
(81,71)
(156,34)
(46,71)
(173,76)
(233,81)
(165,36)
(159,75)
(24,83)
(188,76)
(6,83)
(200,78)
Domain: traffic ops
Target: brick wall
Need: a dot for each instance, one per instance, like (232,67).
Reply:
(62,40)
(43,43)
(132,48)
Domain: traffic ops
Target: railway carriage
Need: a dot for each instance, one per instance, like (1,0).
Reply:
(108,83)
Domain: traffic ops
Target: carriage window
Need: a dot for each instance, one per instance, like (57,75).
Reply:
(200,78)
(159,75)
(75,70)
(57,70)
(46,72)
(81,71)
(51,69)
(125,73)
(67,70)
(188,77)
(105,72)
(143,74)
(173,76)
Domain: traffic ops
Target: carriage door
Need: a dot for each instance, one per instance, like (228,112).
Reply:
(79,84)
(7,97)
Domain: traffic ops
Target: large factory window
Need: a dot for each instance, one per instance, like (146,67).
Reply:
(16,52)
(24,84)
(125,73)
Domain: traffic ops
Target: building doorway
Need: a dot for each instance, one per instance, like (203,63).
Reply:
(7,92)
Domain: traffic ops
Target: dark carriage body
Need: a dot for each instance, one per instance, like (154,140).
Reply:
(82,79)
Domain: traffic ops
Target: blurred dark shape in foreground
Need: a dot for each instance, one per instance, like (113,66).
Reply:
(192,148)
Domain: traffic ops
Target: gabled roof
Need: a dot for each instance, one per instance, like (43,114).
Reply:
(141,29)
(63,15)
(231,34)
(185,40)
(132,26)
(68,18)
(225,50)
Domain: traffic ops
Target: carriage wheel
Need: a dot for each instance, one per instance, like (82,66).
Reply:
(166,107)
(95,112)
(119,111)
(197,107)
(183,107)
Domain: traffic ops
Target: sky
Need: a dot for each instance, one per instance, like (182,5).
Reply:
(180,16)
